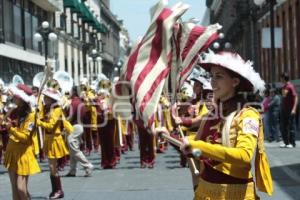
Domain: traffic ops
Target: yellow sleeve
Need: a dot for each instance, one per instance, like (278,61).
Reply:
(22,135)
(68,126)
(50,125)
(191,137)
(243,152)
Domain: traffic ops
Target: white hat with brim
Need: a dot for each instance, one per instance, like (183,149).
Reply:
(233,62)
(15,91)
(53,94)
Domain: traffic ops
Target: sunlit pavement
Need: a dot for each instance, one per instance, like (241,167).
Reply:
(167,181)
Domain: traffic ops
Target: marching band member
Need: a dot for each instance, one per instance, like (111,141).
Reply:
(76,154)
(90,136)
(3,130)
(197,107)
(123,127)
(107,130)
(131,129)
(19,156)
(230,135)
(163,119)
(50,120)
(76,109)
(147,145)
(39,149)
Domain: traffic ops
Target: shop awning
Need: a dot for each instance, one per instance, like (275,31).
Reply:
(73,4)
(85,14)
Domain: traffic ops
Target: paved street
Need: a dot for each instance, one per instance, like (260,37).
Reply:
(165,182)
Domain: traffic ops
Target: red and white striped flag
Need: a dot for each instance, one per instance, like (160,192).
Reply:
(151,61)
(190,40)
(149,64)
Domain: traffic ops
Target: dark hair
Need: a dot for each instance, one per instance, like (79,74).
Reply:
(244,85)
(35,88)
(75,91)
(285,76)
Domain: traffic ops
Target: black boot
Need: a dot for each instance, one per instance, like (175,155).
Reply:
(52,179)
(58,194)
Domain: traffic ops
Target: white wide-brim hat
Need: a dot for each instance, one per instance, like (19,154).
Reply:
(23,92)
(251,80)
(52,93)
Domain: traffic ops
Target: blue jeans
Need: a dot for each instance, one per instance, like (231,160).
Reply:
(274,125)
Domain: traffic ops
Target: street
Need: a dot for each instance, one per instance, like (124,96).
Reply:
(167,181)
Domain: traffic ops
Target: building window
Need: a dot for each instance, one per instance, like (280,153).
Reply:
(8,15)
(35,44)
(10,67)
(17,22)
(1,22)
(28,30)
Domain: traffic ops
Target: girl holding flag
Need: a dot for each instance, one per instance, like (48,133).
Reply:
(231,133)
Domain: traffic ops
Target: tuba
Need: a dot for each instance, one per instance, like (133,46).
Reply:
(17,79)
(64,80)
(37,79)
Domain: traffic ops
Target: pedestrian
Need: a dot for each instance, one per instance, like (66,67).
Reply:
(266,113)
(229,135)
(50,119)
(76,155)
(19,156)
(274,112)
(289,108)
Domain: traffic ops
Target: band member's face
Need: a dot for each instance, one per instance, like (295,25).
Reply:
(48,100)
(35,93)
(222,83)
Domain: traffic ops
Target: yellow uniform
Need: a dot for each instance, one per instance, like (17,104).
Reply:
(19,155)
(54,144)
(232,158)
(92,108)
(200,112)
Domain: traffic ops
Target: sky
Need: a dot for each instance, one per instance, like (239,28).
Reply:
(136,17)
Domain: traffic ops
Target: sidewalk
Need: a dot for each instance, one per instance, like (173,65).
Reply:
(285,168)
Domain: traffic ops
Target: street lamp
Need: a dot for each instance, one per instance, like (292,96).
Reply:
(45,33)
(271,3)
(94,56)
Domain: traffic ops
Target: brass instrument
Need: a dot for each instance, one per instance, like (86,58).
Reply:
(37,79)
(9,107)
(64,80)
(17,79)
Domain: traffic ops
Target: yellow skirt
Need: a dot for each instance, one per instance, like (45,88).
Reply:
(20,158)
(55,147)
(212,191)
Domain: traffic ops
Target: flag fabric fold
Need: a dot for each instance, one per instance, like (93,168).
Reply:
(168,45)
